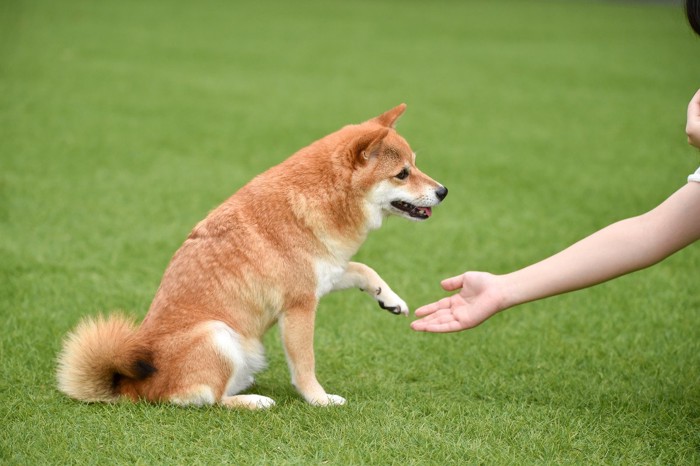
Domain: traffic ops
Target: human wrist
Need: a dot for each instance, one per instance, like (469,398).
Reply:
(503,292)
(510,292)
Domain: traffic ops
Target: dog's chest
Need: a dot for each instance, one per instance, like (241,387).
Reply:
(327,275)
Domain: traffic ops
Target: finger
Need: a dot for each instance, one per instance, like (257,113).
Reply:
(438,327)
(421,324)
(418,325)
(452,283)
(447,327)
(696,96)
(694,106)
(432,307)
(438,317)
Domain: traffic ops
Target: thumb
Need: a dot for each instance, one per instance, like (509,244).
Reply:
(452,283)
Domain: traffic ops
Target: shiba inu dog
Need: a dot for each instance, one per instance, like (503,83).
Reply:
(265,255)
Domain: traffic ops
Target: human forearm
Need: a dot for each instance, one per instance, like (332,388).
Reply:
(623,247)
(620,248)
(604,255)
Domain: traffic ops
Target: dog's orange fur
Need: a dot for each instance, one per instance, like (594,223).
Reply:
(266,255)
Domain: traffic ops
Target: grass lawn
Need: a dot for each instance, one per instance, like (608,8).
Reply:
(122,123)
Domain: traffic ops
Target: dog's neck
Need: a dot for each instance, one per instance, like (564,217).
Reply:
(339,224)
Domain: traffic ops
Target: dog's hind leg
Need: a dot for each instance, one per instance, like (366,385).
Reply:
(216,365)
(366,279)
(247,358)
(247,401)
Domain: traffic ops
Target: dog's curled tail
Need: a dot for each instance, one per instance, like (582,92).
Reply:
(98,355)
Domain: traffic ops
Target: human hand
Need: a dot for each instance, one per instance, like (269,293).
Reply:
(478,299)
(692,126)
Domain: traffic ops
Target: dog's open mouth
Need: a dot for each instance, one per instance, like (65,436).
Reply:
(413,211)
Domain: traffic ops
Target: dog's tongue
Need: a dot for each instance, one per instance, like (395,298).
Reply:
(427,211)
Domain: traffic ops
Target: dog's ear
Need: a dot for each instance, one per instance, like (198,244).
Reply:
(365,146)
(389,117)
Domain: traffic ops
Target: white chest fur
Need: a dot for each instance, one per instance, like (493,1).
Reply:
(330,268)
(327,275)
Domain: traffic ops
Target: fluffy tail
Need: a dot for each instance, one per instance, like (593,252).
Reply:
(98,356)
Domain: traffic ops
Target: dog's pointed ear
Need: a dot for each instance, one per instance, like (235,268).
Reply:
(390,117)
(363,147)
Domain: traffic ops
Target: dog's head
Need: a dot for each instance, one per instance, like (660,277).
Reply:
(385,168)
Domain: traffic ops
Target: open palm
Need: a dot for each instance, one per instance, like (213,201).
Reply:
(478,299)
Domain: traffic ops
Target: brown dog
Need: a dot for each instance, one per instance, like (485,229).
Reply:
(265,255)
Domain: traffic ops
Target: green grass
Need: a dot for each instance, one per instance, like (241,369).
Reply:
(123,123)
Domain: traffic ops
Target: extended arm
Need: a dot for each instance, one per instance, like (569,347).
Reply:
(621,248)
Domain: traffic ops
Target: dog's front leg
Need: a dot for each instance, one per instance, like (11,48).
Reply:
(366,279)
(297,328)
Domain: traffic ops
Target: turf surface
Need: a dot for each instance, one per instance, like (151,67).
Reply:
(123,123)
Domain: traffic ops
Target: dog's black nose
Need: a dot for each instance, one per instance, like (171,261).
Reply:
(441,193)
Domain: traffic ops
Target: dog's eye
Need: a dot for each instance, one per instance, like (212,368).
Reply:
(403,174)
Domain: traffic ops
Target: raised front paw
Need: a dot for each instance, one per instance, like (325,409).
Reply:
(390,301)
